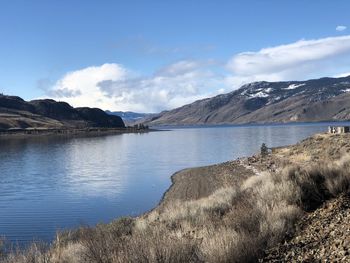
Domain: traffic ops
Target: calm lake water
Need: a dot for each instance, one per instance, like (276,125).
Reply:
(53,183)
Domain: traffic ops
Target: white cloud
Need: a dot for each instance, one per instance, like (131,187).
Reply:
(170,87)
(300,60)
(340,28)
(113,87)
(80,89)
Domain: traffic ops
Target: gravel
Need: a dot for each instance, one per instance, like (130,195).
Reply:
(321,236)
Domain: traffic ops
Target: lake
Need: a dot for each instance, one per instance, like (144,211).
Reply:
(53,183)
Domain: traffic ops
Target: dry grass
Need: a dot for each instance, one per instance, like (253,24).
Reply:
(36,253)
(233,224)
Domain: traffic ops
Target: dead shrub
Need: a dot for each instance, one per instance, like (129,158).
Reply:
(311,185)
(158,245)
(37,252)
(218,245)
(2,247)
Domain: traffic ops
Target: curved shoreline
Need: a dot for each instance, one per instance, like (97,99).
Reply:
(199,182)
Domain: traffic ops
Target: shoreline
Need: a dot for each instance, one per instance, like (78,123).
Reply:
(194,178)
(35,133)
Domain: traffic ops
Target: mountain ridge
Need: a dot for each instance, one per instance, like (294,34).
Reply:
(47,113)
(324,99)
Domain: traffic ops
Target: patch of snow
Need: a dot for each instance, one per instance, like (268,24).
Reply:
(244,92)
(273,100)
(268,90)
(345,90)
(294,86)
(258,95)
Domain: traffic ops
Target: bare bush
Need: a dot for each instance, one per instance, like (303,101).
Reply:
(158,245)
(219,245)
(103,242)
(37,252)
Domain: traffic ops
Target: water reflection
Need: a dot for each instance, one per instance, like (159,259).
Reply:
(95,168)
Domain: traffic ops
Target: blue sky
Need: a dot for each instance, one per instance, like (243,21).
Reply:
(155,55)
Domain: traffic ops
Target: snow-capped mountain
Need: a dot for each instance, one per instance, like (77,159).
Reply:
(262,102)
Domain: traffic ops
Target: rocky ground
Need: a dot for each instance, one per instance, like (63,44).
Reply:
(318,148)
(321,236)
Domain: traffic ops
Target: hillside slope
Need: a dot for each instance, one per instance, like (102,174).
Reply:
(17,113)
(266,102)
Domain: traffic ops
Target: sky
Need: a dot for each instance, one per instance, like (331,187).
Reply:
(149,56)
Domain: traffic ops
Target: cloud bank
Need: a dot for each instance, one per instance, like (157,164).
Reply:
(300,60)
(115,87)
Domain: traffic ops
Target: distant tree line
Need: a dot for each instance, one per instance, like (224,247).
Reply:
(140,126)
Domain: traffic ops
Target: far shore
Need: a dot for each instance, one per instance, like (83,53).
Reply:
(92,131)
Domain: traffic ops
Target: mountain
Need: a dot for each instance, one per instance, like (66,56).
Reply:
(18,113)
(129,116)
(325,99)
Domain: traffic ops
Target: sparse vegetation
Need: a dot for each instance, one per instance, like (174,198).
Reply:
(233,224)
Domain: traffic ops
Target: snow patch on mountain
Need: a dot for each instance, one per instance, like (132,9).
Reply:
(294,86)
(274,100)
(259,94)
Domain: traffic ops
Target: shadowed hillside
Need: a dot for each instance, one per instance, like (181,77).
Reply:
(17,113)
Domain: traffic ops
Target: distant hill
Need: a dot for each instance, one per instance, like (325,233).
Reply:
(129,116)
(47,113)
(325,99)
